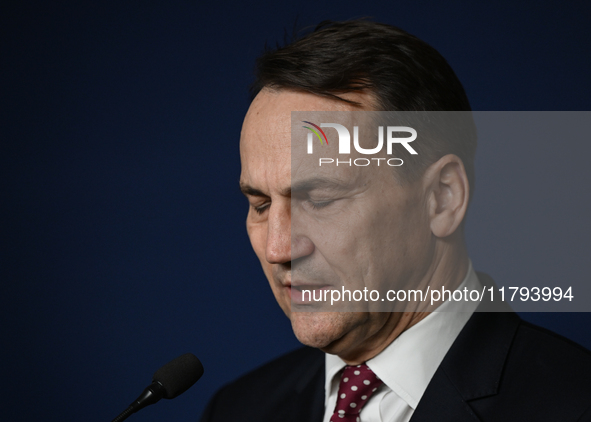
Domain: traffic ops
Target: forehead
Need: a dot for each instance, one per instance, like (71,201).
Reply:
(265,139)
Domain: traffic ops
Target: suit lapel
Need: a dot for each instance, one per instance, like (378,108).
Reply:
(442,403)
(471,369)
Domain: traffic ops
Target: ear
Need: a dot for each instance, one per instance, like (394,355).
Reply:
(448,194)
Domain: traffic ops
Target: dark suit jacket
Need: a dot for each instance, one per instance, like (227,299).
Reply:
(500,368)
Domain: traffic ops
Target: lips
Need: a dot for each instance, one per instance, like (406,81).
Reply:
(295,288)
(315,295)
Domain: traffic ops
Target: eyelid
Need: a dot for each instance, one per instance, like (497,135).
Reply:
(320,204)
(260,208)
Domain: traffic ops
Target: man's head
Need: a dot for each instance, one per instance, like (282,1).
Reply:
(396,228)
(397,71)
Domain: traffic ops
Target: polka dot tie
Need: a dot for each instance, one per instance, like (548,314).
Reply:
(357,385)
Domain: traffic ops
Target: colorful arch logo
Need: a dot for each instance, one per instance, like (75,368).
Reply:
(316,132)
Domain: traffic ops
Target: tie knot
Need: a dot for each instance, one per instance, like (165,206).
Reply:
(357,385)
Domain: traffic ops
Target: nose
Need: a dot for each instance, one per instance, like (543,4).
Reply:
(282,247)
(278,250)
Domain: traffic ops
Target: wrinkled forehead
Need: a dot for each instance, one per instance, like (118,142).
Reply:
(267,127)
(265,146)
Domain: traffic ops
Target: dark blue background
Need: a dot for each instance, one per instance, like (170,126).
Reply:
(123,235)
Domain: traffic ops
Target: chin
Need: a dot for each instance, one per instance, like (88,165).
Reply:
(322,329)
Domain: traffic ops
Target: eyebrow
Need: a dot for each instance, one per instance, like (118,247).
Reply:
(318,183)
(299,187)
(250,191)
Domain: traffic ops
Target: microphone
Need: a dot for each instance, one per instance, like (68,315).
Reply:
(173,379)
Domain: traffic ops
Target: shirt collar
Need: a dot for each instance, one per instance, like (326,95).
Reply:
(407,365)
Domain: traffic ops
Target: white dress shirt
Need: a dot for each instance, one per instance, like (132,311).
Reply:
(407,365)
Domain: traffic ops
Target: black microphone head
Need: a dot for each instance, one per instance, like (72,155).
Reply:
(178,375)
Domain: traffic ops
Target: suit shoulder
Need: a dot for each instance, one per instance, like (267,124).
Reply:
(550,374)
(275,383)
(291,365)
(511,370)
(551,348)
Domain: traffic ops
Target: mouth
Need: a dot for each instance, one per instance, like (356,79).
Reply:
(307,294)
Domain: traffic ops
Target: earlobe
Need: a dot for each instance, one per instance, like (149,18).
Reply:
(448,195)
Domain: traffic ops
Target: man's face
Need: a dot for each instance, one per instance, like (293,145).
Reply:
(370,230)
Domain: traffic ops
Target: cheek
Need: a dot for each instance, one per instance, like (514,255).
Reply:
(409,247)
(257,234)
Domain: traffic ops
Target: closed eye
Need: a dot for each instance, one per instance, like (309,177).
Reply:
(319,204)
(261,208)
